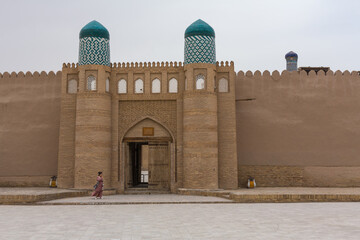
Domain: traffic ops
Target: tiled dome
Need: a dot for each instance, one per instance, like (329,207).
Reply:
(199,27)
(291,54)
(94,47)
(94,29)
(199,43)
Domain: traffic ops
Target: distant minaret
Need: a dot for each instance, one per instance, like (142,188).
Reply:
(291,61)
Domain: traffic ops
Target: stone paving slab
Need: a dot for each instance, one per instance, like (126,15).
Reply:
(35,194)
(137,199)
(270,221)
(32,190)
(294,194)
(263,195)
(243,195)
(296,190)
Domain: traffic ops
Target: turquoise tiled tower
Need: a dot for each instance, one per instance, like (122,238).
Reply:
(291,61)
(200,43)
(94,44)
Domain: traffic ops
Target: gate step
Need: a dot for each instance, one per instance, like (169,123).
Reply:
(145,191)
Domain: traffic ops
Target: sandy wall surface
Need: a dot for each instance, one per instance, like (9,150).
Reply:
(29,124)
(295,119)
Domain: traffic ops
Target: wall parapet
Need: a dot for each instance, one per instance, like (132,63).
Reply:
(225,64)
(276,73)
(142,65)
(71,65)
(251,85)
(35,74)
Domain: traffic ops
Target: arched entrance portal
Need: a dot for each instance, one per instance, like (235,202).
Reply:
(148,156)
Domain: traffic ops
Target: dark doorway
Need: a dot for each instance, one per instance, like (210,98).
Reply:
(138,162)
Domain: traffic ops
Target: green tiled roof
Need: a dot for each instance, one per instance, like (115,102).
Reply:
(94,29)
(200,27)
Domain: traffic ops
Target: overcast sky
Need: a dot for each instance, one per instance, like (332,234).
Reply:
(40,35)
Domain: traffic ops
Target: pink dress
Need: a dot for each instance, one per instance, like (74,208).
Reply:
(99,190)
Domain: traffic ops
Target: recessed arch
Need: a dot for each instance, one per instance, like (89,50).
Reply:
(122,86)
(156,86)
(200,82)
(173,85)
(152,119)
(72,86)
(91,83)
(223,85)
(142,155)
(139,86)
(107,85)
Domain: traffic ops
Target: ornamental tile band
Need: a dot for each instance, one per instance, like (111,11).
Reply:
(94,50)
(200,49)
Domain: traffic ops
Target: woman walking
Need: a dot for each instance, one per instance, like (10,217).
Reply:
(98,186)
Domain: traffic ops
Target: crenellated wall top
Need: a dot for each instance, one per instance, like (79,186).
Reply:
(285,73)
(28,74)
(144,65)
(141,65)
(179,65)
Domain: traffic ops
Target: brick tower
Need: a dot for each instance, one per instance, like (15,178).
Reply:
(93,107)
(200,136)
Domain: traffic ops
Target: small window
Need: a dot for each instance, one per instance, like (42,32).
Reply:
(173,86)
(122,86)
(200,82)
(223,85)
(156,86)
(91,83)
(107,85)
(72,86)
(139,86)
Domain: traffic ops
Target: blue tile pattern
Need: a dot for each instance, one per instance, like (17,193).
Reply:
(94,50)
(291,64)
(200,49)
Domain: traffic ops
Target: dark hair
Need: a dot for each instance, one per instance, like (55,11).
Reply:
(99,173)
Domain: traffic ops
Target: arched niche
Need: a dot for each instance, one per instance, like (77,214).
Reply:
(107,85)
(136,131)
(91,83)
(122,86)
(139,86)
(173,85)
(72,86)
(155,86)
(223,85)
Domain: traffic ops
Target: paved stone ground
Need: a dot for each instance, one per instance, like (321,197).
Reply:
(340,221)
(260,190)
(138,199)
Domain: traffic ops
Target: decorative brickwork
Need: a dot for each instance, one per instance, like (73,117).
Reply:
(131,112)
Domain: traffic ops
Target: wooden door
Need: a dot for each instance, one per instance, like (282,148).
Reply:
(159,166)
